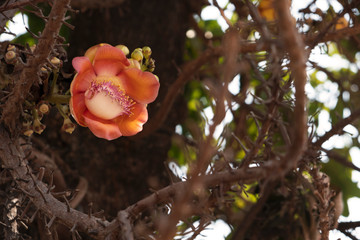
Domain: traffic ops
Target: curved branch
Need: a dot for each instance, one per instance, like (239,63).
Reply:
(294,45)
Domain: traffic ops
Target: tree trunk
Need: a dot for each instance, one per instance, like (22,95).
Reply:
(123,171)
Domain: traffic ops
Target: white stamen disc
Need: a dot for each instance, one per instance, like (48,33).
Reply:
(103,106)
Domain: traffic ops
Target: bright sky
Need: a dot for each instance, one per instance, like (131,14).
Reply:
(17,27)
(326,93)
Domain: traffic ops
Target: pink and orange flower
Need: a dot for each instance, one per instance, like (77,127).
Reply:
(109,93)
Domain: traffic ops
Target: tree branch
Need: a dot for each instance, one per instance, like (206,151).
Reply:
(294,45)
(19,4)
(338,127)
(29,75)
(166,194)
(12,159)
(190,68)
(343,226)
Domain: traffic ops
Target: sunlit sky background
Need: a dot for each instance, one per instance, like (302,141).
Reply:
(327,93)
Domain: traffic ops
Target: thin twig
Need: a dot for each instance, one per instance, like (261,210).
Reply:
(338,127)
(19,4)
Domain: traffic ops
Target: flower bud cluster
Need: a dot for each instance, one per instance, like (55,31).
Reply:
(143,56)
(32,122)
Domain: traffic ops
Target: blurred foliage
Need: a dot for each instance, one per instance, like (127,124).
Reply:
(332,89)
(341,178)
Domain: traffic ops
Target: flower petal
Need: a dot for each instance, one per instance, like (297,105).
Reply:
(109,61)
(111,53)
(141,86)
(102,128)
(131,125)
(108,67)
(77,108)
(81,64)
(90,53)
(82,81)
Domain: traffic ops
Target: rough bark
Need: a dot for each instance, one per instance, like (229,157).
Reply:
(125,170)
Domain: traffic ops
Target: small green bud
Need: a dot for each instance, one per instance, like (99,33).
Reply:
(123,48)
(146,52)
(137,55)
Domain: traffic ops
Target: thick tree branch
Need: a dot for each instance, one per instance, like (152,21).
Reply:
(341,159)
(12,158)
(294,45)
(29,75)
(170,192)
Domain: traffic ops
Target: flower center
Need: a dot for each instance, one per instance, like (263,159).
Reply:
(106,100)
